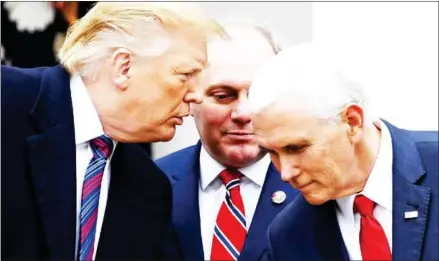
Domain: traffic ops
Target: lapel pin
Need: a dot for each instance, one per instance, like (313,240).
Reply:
(411,214)
(278,197)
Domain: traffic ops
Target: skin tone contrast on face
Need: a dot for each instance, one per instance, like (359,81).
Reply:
(322,159)
(153,94)
(224,125)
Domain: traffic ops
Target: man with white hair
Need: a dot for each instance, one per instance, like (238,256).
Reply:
(74,186)
(225,189)
(368,189)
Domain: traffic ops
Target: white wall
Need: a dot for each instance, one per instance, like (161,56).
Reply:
(393,51)
(392,46)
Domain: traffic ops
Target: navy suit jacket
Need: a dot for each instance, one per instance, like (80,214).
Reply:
(306,232)
(38,188)
(183,169)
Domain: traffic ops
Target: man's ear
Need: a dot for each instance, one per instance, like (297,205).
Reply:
(353,115)
(121,63)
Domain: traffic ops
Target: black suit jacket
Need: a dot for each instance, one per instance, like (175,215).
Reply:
(38,186)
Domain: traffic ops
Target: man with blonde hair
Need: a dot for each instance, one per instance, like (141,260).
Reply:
(369,190)
(74,186)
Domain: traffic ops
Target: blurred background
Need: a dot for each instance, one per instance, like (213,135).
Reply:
(392,47)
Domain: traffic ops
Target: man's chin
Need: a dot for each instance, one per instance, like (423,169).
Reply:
(315,199)
(167,134)
(242,158)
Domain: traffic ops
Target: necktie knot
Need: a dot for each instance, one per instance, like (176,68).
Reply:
(364,205)
(230,178)
(373,241)
(102,146)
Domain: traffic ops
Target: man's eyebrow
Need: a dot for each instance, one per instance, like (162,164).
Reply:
(220,85)
(299,142)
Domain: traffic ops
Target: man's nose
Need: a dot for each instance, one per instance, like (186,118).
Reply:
(288,169)
(193,97)
(241,113)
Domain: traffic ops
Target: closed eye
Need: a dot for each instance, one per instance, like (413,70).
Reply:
(185,76)
(189,74)
(294,148)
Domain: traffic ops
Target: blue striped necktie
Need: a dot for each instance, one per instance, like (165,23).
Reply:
(102,147)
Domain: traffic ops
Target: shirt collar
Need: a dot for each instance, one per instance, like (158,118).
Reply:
(87,123)
(378,186)
(210,169)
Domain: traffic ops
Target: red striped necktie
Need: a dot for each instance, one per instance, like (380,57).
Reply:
(230,228)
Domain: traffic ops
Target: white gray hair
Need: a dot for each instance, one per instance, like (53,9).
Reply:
(305,77)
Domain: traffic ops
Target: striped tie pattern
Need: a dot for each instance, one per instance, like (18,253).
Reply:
(230,229)
(102,147)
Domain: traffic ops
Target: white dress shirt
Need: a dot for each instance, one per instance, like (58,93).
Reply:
(87,127)
(212,193)
(378,188)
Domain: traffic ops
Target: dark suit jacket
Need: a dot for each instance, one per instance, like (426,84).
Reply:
(38,185)
(306,232)
(183,169)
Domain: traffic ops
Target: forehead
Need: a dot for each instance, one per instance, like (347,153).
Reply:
(188,45)
(236,61)
(277,127)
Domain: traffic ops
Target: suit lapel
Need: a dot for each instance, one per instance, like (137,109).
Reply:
(186,208)
(408,233)
(53,162)
(134,198)
(265,212)
(307,232)
(327,233)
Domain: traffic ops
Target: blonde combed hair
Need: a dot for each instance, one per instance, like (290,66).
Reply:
(115,24)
